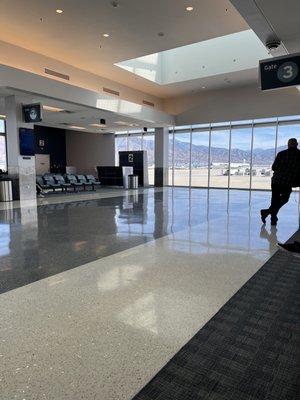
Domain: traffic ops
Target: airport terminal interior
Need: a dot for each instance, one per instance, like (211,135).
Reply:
(137,148)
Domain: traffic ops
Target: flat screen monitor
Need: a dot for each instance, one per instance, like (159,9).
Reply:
(27,142)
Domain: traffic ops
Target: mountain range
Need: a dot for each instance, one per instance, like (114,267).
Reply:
(263,157)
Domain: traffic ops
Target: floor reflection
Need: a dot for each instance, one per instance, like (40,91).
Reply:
(38,242)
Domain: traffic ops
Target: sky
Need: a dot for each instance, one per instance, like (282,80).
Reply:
(264,137)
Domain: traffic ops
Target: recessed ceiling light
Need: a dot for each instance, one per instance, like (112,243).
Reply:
(59,11)
(189,8)
(161,34)
(106,35)
(203,87)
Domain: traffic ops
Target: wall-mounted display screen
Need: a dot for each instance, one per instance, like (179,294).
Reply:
(27,142)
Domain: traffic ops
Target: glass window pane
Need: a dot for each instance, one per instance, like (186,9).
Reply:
(2,126)
(3,161)
(120,145)
(290,118)
(286,132)
(200,152)
(181,159)
(148,145)
(170,171)
(240,158)
(263,156)
(219,158)
(134,142)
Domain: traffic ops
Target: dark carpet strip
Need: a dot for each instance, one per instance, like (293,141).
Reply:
(248,351)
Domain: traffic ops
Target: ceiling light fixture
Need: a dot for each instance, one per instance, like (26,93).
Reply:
(97,125)
(121,123)
(106,35)
(76,127)
(59,11)
(52,109)
(189,8)
(2,116)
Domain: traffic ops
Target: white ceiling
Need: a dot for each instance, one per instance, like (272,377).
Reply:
(75,115)
(75,36)
(273,19)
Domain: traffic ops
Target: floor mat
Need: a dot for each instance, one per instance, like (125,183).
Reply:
(248,350)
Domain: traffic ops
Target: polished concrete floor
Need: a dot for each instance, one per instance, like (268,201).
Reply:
(108,288)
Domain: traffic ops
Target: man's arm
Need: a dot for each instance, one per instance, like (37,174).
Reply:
(276,162)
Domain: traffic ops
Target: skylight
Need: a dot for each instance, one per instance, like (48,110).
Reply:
(226,54)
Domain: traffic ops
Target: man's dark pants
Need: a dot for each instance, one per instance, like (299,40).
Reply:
(280,196)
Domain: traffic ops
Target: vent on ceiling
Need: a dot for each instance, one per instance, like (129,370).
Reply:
(148,103)
(57,74)
(111,91)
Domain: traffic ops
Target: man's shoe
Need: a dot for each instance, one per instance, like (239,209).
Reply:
(293,248)
(264,214)
(274,221)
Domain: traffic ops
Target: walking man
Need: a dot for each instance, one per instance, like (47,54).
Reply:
(286,175)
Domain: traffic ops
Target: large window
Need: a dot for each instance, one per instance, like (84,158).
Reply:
(136,140)
(240,157)
(200,158)
(121,144)
(3,158)
(237,155)
(219,158)
(182,157)
(264,141)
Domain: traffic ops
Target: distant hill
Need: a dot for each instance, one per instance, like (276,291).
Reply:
(200,153)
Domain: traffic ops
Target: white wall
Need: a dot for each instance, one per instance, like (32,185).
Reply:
(87,150)
(18,57)
(233,105)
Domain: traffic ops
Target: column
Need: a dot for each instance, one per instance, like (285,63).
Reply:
(13,114)
(20,168)
(161,138)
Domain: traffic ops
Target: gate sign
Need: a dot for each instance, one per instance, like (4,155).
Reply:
(280,72)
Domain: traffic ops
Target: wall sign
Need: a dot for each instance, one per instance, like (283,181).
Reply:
(130,158)
(280,72)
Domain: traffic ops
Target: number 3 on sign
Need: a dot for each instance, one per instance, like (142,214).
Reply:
(287,72)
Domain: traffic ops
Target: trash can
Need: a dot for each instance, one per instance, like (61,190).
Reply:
(133,182)
(6,190)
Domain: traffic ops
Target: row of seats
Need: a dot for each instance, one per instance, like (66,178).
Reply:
(63,182)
